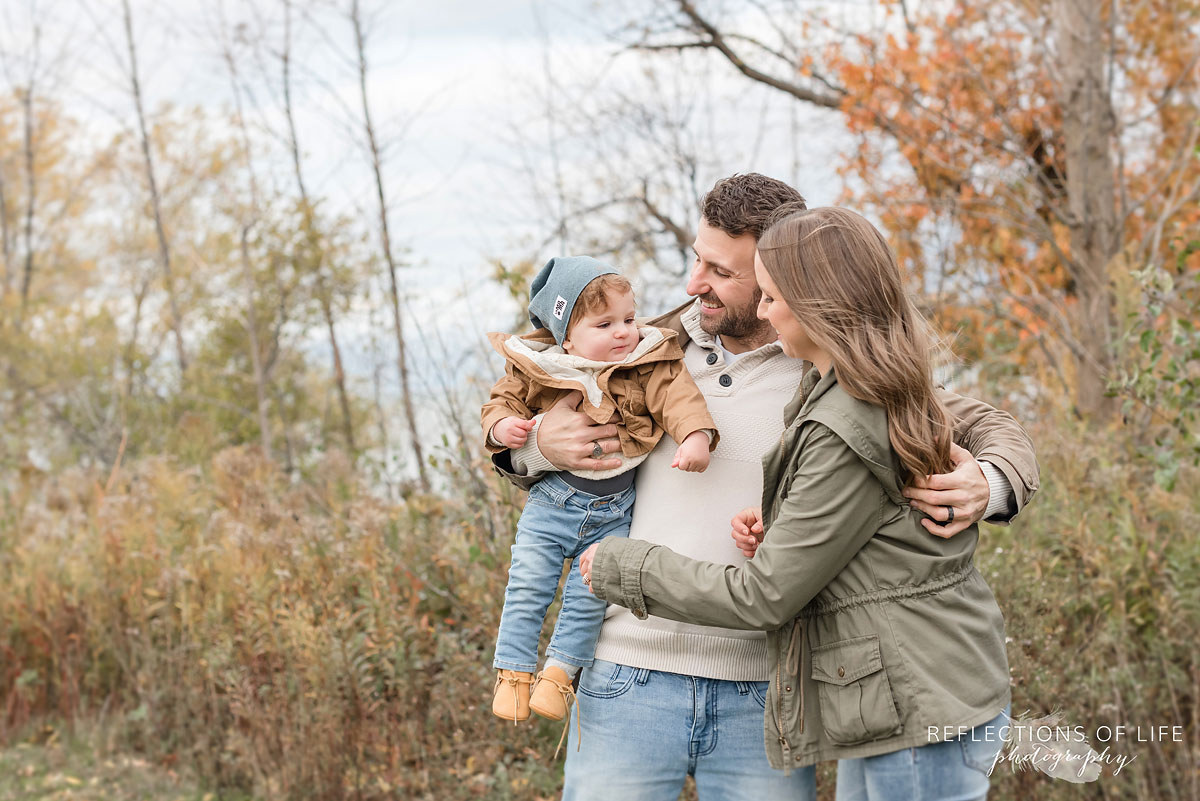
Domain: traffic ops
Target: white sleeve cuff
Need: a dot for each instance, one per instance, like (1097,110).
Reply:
(527,459)
(491,440)
(1002,502)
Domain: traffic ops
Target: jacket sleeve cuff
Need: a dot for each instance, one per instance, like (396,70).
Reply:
(1021,489)
(1002,503)
(493,444)
(617,573)
(681,429)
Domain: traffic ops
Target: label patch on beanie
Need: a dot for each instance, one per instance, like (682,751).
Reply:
(560,306)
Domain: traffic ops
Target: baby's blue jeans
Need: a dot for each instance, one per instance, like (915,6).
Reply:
(559,523)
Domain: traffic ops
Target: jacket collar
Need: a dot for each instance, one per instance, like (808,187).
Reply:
(542,341)
(861,425)
(684,320)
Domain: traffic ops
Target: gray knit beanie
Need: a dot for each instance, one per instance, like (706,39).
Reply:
(553,293)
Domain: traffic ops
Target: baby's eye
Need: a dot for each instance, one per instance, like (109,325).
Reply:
(602,325)
(628,321)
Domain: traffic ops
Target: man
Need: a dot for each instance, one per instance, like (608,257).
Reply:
(663,699)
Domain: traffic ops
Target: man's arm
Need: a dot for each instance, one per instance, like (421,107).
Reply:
(563,439)
(996,483)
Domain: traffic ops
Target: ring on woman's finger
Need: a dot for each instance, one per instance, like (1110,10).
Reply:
(587,579)
(949,513)
(597,450)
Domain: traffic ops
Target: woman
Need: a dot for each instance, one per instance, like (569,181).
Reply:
(888,646)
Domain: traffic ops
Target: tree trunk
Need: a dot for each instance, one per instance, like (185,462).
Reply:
(5,236)
(139,298)
(1088,128)
(323,291)
(164,250)
(30,197)
(389,258)
(251,320)
(256,362)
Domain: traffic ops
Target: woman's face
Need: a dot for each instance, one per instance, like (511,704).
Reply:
(792,335)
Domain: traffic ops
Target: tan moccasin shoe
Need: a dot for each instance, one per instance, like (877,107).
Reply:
(510,697)
(552,694)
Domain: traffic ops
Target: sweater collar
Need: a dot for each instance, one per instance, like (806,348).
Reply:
(685,321)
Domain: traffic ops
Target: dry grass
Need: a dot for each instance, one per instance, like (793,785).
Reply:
(312,641)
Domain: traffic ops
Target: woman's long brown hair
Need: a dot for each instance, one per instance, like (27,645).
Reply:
(838,276)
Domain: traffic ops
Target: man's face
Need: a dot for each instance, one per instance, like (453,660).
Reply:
(723,278)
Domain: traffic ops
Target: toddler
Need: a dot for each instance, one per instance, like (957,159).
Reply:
(587,341)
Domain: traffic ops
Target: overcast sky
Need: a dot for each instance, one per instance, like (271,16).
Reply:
(454,85)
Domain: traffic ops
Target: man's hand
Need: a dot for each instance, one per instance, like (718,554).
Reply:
(568,437)
(747,530)
(964,489)
(692,455)
(511,432)
(585,565)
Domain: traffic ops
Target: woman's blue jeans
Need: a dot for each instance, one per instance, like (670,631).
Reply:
(559,522)
(951,770)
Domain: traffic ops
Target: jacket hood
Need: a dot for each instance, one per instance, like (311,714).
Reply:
(541,356)
(862,425)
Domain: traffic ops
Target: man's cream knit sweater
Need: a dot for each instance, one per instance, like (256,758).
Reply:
(690,512)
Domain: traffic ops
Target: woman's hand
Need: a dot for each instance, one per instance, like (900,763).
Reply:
(585,565)
(747,530)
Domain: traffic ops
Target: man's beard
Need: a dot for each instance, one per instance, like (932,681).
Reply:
(740,323)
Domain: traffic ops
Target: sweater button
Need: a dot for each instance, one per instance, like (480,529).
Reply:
(725,380)
(712,358)
(841,672)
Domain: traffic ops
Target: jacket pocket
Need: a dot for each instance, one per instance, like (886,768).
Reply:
(856,696)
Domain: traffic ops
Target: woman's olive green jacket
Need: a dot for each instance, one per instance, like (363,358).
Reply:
(881,633)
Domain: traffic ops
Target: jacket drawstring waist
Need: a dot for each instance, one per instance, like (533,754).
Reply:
(819,608)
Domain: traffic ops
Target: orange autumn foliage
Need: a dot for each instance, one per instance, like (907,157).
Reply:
(968,97)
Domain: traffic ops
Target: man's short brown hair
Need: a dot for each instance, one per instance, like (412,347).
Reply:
(594,297)
(744,204)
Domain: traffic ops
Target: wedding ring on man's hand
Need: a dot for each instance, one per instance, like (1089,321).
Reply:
(597,451)
(950,512)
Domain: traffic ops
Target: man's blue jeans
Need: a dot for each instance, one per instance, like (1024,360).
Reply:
(644,731)
(953,770)
(559,522)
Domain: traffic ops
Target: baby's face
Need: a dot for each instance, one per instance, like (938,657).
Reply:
(607,335)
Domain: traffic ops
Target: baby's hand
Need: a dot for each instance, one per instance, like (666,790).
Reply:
(747,529)
(692,455)
(511,432)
